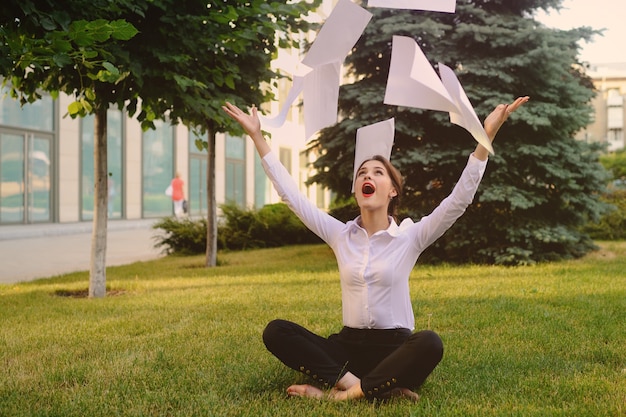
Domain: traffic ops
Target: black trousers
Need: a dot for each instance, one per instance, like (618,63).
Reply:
(382,358)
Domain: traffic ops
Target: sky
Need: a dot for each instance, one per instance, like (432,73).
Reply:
(598,14)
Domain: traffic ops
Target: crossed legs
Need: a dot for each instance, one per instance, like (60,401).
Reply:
(355,363)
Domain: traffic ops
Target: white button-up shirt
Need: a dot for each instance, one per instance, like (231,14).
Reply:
(374,270)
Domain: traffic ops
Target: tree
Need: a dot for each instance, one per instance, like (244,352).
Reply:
(158,59)
(540,186)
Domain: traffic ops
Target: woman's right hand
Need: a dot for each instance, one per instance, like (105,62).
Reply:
(250,122)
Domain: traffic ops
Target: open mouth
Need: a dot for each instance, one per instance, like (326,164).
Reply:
(368,189)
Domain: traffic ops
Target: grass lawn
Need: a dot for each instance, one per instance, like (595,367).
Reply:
(175,339)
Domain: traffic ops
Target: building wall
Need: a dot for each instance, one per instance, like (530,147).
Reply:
(609,111)
(132,169)
(68,166)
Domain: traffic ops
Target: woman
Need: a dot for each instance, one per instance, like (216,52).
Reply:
(376,355)
(178,195)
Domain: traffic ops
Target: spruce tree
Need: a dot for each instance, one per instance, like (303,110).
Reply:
(541,185)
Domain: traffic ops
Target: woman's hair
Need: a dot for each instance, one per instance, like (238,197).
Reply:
(396,181)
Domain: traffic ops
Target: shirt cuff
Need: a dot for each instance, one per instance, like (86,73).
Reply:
(474,160)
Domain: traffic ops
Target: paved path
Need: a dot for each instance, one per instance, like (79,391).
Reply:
(42,251)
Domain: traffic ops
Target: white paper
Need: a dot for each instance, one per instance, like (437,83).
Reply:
(412,81)
(447,6)
(372,140)
(278,120)
(321,94)
(340,32)
(465,116)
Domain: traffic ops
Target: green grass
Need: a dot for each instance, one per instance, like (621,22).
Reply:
(176,339)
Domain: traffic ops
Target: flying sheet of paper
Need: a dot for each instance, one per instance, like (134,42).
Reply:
(372,140)
(321,94)
(447,6)
(466,116)
(413,82)
(340,32)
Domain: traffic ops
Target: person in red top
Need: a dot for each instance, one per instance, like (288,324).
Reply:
(178,195)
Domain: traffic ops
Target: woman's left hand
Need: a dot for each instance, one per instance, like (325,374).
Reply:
(500,114)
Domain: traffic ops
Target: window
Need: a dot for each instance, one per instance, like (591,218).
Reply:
(114,165)
(615,139)
(615,120)
(158,169)
(197,199)
(615,117)
(261,183)
(284,155)
(236,170)
(26,160)
(38,115)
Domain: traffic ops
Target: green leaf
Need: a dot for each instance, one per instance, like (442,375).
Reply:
(111,68)
(218,78)
(99,29)
(82,38)
(62,60)
(122,30)
(201,145)
(47,23)
(86,105)
(228,80)
(90,54)
(90,94)
(61,45)
(74,108)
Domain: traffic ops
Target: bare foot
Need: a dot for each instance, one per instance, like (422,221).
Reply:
(403,393)
(307,391)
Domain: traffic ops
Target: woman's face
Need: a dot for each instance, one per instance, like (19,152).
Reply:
(373,187)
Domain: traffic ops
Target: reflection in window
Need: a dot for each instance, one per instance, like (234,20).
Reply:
(114,165)
(158,169)
(26,149)
(12,182)
(38,115)
(235,170)
(197,201)
(40,202)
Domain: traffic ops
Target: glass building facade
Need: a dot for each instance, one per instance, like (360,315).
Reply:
(26,161)
(47,166)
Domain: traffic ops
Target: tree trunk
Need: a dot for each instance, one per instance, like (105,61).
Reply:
(97,273)
(211,230)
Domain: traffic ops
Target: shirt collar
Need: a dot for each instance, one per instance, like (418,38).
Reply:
(393,230)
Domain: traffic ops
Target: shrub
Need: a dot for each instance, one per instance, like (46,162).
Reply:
(236,229)
(612,226)
(271,226)
(182,237)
